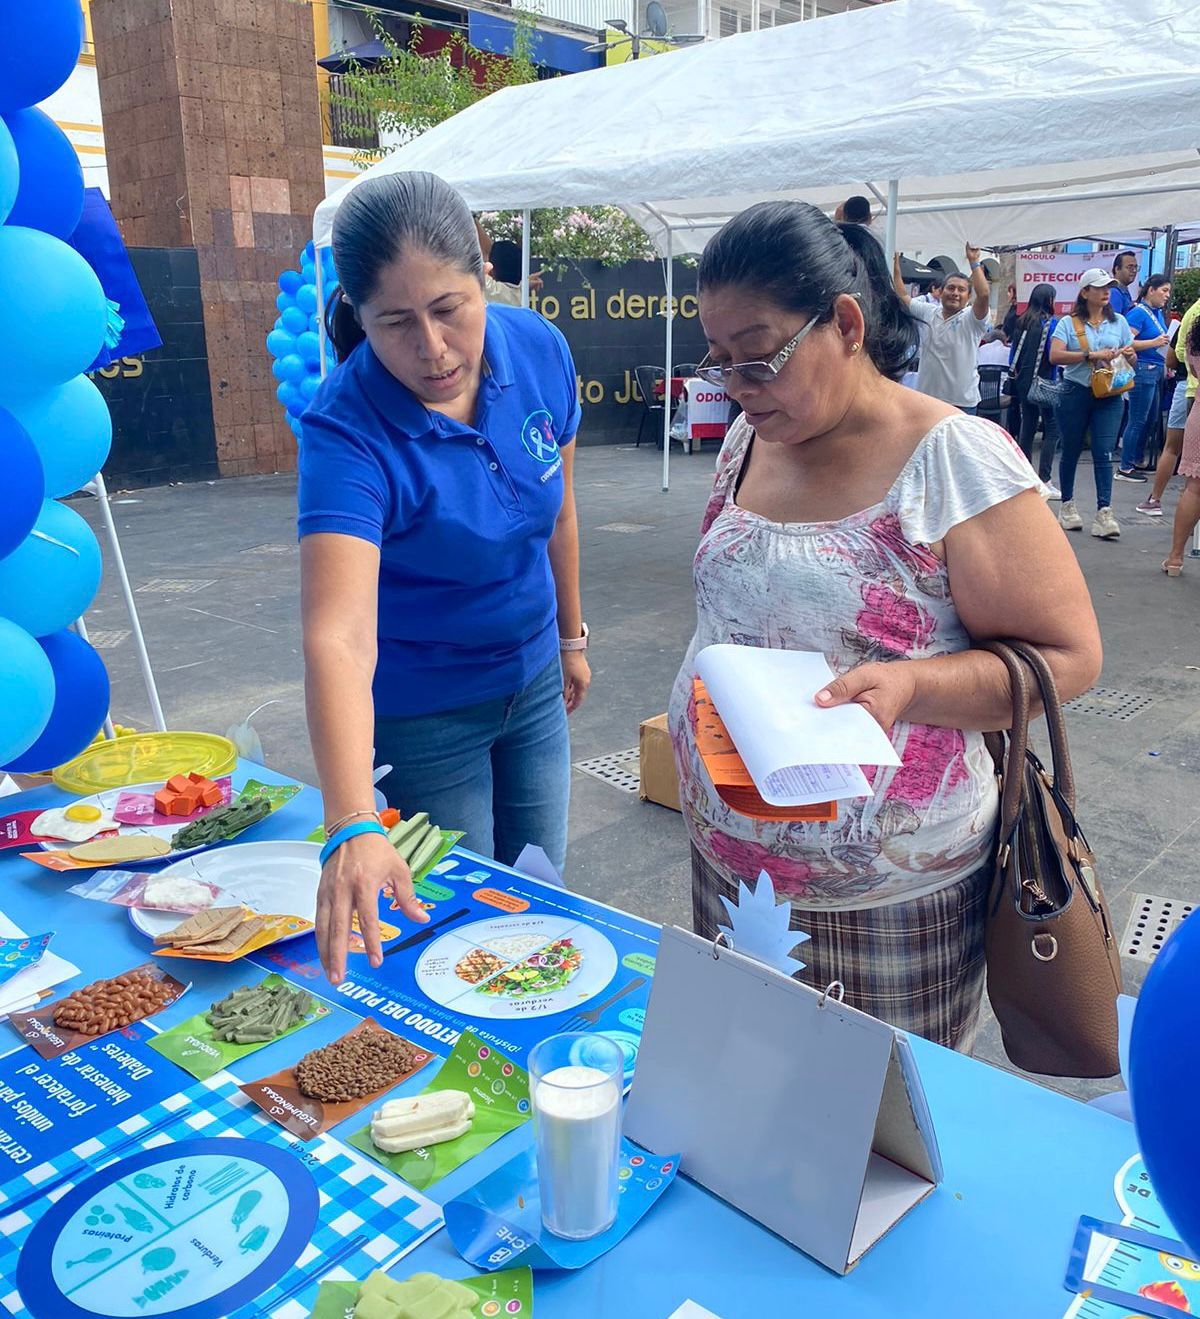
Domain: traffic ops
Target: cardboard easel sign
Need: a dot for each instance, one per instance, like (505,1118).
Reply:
(736,1059)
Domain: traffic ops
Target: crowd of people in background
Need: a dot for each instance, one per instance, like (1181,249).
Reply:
(1101,377)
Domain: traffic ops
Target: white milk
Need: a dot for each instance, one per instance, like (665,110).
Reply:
(578,1123)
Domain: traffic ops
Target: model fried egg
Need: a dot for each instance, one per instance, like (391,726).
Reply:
(73,824)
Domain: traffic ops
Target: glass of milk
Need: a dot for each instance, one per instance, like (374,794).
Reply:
(575,1083)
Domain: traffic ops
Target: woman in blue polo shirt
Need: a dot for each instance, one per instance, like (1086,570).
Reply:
(443,633)
(1148,322)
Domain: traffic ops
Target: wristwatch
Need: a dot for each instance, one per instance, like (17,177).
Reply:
(567,644)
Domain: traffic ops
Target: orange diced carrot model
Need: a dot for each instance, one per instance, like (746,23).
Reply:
(185,794)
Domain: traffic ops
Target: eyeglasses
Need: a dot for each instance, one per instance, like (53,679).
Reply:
(756,373)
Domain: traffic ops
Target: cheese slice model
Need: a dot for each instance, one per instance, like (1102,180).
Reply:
(429,1119)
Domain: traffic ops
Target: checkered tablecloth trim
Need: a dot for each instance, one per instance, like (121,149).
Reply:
(392,1218)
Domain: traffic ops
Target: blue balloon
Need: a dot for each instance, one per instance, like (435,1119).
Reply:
(295,424)
(54,310)
(24,483)
(277,369)
(40,49)
(308,345)
(81,696)
(1164,1078)
(50,196)
(306,299)
(294,320)
(290,281)
(309,252)
(289,395)
(71,427)
(284,300)
(314,324)
(280,343)
(309,386)
(293,367)
(51,578)
(26,690)
(10,171)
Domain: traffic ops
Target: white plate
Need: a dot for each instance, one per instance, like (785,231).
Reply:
(274,879)
(107,801)
(509,939)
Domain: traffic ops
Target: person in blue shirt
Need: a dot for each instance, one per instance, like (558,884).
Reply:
(1102,337)
(1148,321)
(1125,272)
(439,555)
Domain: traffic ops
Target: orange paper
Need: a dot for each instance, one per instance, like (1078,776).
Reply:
(730,776)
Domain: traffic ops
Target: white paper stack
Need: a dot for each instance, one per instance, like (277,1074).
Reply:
(24,989)
(797,753)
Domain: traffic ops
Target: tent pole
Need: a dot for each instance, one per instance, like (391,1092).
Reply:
(1172,253)
(893,199)
(319,263)
(526,241)
(666,473)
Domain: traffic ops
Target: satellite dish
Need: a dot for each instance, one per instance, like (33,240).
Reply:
(656,19)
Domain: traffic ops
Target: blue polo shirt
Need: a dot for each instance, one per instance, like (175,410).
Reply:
(462,514)
(1120,299)
(1147,323)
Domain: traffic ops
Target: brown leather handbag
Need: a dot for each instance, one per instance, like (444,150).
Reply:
(1053,966)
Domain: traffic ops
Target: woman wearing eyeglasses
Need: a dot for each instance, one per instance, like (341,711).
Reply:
(885,529)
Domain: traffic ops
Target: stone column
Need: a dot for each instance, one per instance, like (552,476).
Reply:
(213,135)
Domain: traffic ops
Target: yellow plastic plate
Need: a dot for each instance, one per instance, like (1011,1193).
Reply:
(146,758)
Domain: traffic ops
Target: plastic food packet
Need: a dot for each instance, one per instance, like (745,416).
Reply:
(154,892)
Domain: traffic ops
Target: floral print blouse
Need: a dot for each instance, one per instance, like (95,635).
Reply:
(867,587)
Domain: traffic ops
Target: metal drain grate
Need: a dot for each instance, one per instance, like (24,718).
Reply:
(107,638)
(1151,923)
(1109,703)
(626,528)
(175,585)
(620,769)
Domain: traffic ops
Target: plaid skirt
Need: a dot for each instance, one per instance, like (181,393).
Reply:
(916,965)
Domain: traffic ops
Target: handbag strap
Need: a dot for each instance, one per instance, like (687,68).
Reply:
(1037,363)
(1012,765)
(1064,775)
(1082,334)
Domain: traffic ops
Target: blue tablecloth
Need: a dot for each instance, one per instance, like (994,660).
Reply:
(1021,1164)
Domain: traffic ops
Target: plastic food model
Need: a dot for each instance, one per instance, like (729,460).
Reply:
(185,794)
(424,1120)
(423,1296)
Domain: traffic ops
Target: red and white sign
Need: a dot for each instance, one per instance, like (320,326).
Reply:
(1062,269)
(707,410)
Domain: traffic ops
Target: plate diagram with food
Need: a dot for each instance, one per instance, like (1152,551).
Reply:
(519,966)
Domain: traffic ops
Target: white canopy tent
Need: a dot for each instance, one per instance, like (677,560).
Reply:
(1009,125)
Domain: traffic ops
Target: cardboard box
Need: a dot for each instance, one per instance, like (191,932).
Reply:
(656,764)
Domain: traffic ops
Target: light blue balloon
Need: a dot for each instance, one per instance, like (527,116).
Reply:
(289,395)
(53,311)
(285,300)
(306,299)
(294,320)
(10,172)
(290,281)
(293,367)
(280,343)
(309,386)
(295,424)
(308,345)
(52,577)
(71,428)
(314,324)
(26,691)
(277,369)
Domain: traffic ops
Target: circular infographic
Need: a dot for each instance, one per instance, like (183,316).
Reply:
(192,1230)
(517,966)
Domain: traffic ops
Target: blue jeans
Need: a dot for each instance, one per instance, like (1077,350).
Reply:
(1143,412)
(1078,410)
(499,771)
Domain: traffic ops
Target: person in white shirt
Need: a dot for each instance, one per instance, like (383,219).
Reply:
(950,345)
